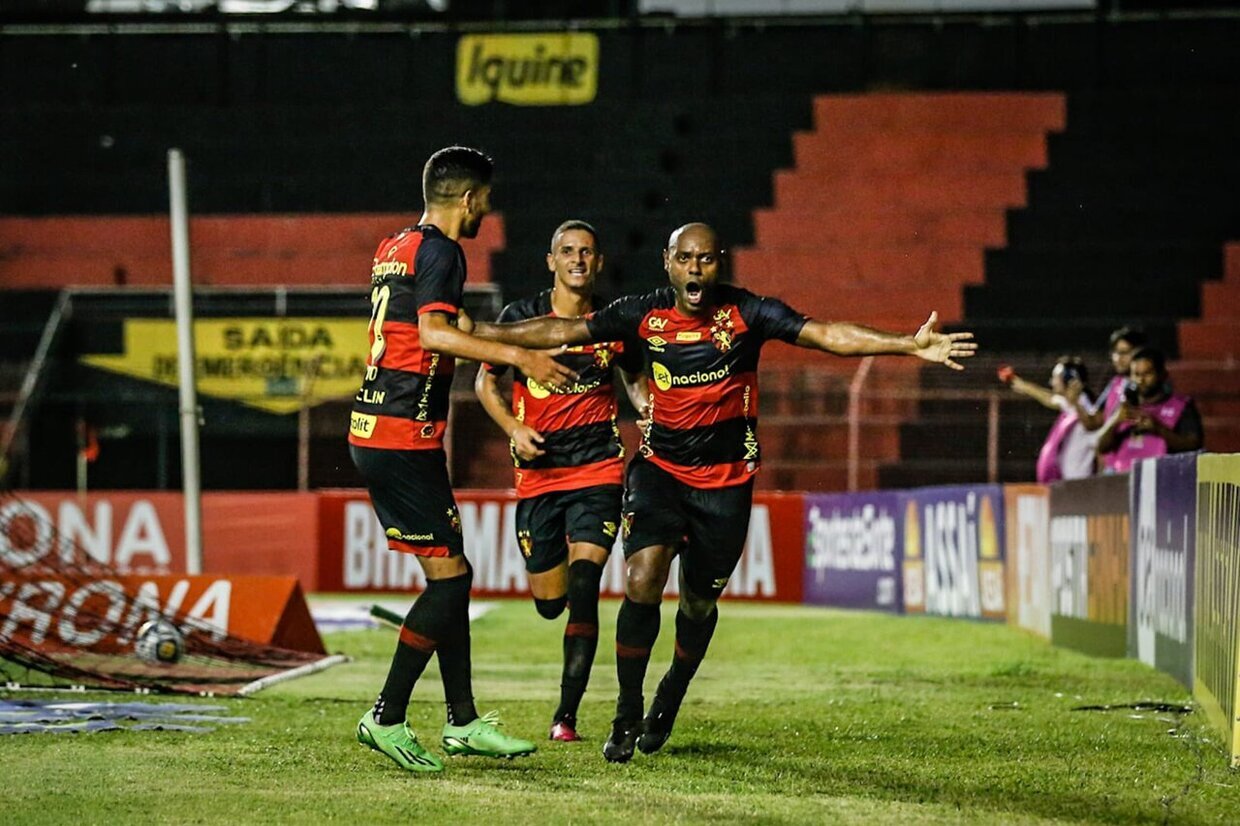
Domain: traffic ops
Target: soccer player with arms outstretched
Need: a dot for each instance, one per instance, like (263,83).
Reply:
(694,477)
(396,440)
(569,461)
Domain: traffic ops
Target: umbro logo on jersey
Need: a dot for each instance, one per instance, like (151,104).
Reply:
(657,343)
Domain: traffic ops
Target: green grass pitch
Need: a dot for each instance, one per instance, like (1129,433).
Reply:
(798,715)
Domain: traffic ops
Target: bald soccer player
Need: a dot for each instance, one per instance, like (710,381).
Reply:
(693,478)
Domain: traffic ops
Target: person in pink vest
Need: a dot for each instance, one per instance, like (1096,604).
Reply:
(1151,420)
(1069,449)
(1094,414)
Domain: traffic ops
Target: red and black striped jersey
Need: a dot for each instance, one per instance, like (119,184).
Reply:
(403,402)
(703,377)
(577,422)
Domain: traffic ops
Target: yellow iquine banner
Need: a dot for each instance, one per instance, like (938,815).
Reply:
(554,69)
(278,365)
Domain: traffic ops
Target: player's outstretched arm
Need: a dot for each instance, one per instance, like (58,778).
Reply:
(525,440)
(536,333)
(439,335)
(845,339)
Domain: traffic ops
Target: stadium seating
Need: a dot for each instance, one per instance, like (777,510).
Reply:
(292,250)
(1124,226)
(1210,348)
(887,215)
(898,201)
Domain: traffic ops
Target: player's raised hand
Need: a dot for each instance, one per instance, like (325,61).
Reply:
(526,442)
(541,366)
(943,348)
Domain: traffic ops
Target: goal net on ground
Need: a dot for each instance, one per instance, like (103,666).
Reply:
(68,620)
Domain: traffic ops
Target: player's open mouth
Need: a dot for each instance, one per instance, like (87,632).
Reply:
(693,293)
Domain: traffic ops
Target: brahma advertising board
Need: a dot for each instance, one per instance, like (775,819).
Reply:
(354,555)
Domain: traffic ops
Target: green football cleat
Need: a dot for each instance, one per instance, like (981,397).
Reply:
(397,742)
(482,736)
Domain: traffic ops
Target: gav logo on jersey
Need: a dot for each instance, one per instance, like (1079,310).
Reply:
(664,379)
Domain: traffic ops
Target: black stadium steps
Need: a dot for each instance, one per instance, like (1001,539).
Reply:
(1050,192)
(1056,335)
(1092,220)
(1140,265)
(1053,296)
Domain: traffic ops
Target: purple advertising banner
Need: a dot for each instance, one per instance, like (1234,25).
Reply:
(1163,542)
(953,552)
(853,545)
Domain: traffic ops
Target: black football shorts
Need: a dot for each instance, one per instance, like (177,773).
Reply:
(413,499)
(545,522)
(659,509)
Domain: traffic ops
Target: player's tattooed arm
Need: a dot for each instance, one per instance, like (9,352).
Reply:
(845,339)
(536,332)
(526,441)
(438,335)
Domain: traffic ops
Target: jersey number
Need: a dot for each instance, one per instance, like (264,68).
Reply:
(379,298)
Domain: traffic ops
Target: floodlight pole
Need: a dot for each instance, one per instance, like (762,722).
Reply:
(183,297)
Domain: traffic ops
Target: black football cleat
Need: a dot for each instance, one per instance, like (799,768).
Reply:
(620,745)
(657,726)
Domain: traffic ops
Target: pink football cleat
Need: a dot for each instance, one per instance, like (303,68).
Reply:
(564,733)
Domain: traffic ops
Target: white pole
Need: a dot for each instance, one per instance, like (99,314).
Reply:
(184,301)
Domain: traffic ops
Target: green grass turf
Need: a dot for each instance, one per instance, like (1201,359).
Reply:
(798,715)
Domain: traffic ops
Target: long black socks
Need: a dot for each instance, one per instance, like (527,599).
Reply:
(637,627)
(434,622)
(580,636)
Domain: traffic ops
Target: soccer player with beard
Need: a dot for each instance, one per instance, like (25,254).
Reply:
(396,430)
(569,462)
(694,477)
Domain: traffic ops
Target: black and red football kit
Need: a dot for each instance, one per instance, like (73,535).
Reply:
(399,415)
(698,457)
(573,490)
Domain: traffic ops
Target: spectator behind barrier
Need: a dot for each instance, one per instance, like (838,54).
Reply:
(1069,449)
(1150,420)
(1124,342)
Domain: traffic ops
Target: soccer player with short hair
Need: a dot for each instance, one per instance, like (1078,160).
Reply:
(417,329)
(569,461)
(694,477)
